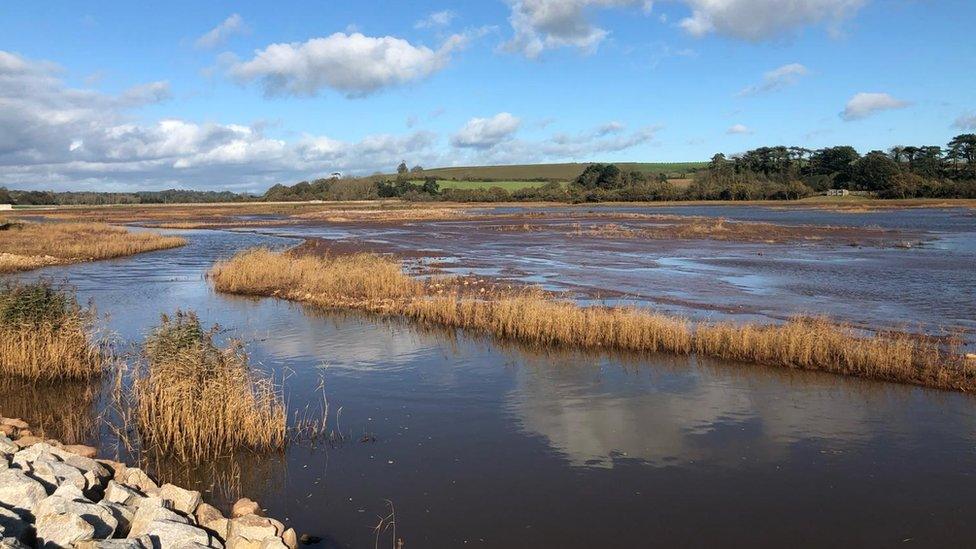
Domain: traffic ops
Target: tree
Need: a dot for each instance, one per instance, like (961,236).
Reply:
(876,171)
(431,186)
(402,171)
(5,197)
(835,162)
(962,149)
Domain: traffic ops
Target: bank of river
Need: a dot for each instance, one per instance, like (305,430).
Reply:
(498,445)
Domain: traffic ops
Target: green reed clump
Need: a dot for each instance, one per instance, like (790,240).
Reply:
(45,334)
(196,400)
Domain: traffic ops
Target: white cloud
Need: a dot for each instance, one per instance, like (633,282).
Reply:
(353,64)
(757,20)
(484,133)
(545,24)
(863,105)
(777,79)
(54,136)
(739,129)
(965,122)
(436,19)
(234,24)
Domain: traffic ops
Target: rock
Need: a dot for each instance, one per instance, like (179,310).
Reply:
(123,514)
(39,451)
(8,430)
(55,473)
(220,527)
(122,494)
(16,423)
(12,525)
(254,528)
(27,441)
(137,478)
(205,513)
(4,464)
(56,531)
(184,501)
(116,468)
(168,533)
(152,510)
(237,542)
(137,543)
(273,543)
(12,543)
(19,492)
(92,469)
(309,540)
(68,500)
(81,449)
(7,446)
(245,506)
(290,538)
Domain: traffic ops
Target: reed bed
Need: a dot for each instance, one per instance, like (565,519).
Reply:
(25,246)
(197,401)
(45,335)
(379,284)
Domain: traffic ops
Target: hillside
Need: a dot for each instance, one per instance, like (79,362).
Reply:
(559,172)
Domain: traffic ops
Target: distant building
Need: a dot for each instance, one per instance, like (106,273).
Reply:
(336,175)
(838,192)
(6,206)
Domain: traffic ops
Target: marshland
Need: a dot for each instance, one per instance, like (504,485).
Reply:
(572,384)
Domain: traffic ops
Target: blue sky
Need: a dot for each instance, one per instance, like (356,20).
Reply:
(131,95)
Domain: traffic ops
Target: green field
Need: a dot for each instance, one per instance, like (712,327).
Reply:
(558,172)
(467,185)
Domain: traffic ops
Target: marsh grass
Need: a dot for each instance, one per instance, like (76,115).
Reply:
(379,284)
(25,246)
(196,401)
(45,335)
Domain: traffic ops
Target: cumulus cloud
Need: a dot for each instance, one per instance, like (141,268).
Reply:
(484,133)
(757,20)
(436,19)
(539,25)
(54,136)
(777,79)
(863,105)
(354,64)
(739,129)
(544,24)
(234,24)
(965,122)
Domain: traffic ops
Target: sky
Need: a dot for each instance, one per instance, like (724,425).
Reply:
(122,96)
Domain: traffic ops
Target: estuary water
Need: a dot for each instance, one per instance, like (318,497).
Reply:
(474,443)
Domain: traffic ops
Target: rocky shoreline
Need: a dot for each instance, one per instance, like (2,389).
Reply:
(54,495)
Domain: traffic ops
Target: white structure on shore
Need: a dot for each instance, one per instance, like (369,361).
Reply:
(6,206)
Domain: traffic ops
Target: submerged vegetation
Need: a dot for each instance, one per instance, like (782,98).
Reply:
(196,400)
(25,246)
(45,335)
(379,285)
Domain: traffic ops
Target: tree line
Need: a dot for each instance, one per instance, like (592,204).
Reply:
(71,198)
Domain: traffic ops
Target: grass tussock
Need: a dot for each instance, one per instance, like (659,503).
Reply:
(45,335)
(25,246)
(379,285)
(198,401)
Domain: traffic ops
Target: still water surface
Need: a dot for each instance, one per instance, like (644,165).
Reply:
(479,444)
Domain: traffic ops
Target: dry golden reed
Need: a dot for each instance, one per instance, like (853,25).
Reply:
(45,335)
(379,285)
(25,246)
(197,401)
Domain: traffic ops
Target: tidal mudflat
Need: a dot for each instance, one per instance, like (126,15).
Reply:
(473,440)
